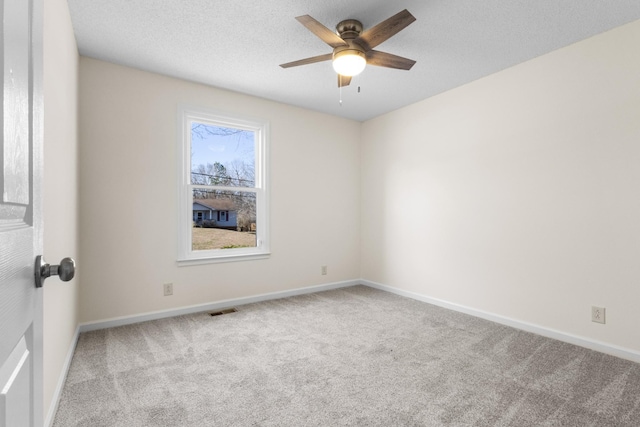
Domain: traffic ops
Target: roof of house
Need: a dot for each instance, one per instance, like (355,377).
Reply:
(217,204)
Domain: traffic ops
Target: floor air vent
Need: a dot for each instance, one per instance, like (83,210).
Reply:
(221,312)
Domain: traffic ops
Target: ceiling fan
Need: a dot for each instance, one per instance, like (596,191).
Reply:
(353,48)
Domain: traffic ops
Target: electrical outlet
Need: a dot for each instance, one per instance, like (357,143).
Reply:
(598,314)
(323,270)
(168,289)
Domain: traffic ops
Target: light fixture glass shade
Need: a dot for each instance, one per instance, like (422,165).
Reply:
(349,62)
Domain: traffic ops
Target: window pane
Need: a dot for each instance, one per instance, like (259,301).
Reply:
(223,219)
(222,156)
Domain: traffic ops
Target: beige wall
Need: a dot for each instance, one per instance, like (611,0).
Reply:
(517,194)
(128,193)
(59,188)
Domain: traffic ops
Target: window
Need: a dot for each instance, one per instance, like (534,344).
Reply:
(222,187)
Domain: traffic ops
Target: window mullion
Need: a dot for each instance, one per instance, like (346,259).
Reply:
(223,188)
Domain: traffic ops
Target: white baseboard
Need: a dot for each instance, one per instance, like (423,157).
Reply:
(55,399)
(613,350)
(218,305)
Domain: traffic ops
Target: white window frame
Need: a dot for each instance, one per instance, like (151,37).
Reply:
(260,128)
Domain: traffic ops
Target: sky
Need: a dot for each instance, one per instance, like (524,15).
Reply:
(208,148)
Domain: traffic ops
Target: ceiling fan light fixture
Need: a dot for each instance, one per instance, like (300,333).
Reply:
(349,62)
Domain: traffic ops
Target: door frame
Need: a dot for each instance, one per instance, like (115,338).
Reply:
(37,136)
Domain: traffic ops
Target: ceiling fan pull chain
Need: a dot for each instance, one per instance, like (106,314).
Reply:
(340,88)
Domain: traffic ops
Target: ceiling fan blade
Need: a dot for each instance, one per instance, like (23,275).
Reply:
(313,59)
(385,30)
(343,80)
(325,34)
(383,59)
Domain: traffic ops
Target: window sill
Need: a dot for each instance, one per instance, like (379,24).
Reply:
(185,262)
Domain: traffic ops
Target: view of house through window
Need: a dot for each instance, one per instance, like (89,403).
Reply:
(223,185)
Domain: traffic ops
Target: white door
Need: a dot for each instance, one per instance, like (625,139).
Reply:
(20,214)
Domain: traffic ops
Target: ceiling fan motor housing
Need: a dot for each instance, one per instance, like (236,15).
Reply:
(351,49)
(349,29)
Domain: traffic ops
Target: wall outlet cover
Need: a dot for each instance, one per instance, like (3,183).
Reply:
(168,289)
(598,314)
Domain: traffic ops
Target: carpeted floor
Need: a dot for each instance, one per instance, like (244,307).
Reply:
(349,357)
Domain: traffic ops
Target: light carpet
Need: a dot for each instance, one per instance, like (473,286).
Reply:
(349,357)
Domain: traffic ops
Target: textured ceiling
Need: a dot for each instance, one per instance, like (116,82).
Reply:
(238,45)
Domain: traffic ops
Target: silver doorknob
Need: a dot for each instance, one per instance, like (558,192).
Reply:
(66,270)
